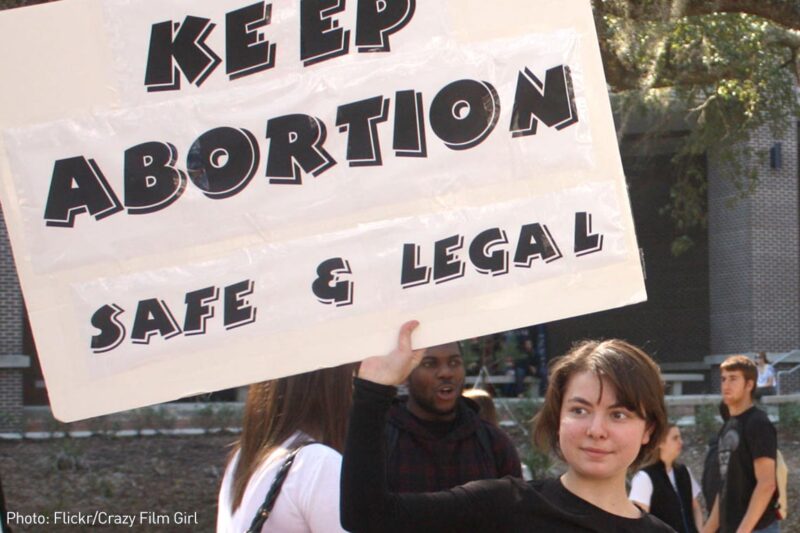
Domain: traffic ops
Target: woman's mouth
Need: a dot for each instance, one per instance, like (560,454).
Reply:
(595,452)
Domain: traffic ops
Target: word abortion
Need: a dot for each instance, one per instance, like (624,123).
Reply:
(222,161)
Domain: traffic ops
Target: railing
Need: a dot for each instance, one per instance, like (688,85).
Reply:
(674,380)
(500,379)
(783,374)
(777,359)
(785,356)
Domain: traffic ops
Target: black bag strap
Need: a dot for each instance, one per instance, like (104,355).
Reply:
(272,494)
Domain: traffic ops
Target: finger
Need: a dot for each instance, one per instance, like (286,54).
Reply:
(404,337)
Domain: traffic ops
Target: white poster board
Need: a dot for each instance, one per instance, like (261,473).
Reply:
(203,194)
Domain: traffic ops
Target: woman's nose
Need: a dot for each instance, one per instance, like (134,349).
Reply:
(597,427)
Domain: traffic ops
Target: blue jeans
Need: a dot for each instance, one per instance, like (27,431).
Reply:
(774,527)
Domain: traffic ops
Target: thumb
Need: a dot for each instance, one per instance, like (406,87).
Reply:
(404,337)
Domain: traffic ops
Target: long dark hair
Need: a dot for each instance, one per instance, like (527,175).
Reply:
(315,403)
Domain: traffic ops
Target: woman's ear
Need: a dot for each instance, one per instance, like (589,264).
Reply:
(648,432)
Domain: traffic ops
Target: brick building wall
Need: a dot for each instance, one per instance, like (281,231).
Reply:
(11,306)
(12,364)
(790,380)
(753,253)
(10,399)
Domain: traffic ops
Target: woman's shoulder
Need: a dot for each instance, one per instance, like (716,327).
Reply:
(570,509)
(316,452)
(642,486)
(310,459)
(307,450)
(316,460)
(651,523)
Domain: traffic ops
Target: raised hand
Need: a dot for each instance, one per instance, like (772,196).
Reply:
(393,368)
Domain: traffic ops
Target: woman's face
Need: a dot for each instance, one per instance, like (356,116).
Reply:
(598,437)
(671,448)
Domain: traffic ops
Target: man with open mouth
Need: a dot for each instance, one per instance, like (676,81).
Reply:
(435,438)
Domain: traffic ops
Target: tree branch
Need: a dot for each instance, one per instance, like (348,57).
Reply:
(624,74)
(784,13)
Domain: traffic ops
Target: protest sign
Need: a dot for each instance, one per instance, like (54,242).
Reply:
(204,194)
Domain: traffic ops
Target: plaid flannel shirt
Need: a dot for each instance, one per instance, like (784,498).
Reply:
(419,461)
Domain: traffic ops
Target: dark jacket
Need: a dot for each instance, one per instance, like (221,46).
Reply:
(420,461)
(674,509)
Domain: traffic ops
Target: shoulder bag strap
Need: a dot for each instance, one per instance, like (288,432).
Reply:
(272,494)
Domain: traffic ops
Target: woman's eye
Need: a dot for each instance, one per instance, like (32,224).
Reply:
(578,410)
(619,415)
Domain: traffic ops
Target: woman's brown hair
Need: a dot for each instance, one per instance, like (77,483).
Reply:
(633,374)
(488,411)
(315,403)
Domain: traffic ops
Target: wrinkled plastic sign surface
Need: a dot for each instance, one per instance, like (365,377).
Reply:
(205,194)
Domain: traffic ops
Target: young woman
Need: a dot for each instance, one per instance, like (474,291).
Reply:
(767,382)
(603,413)
(281,415)
(668,489)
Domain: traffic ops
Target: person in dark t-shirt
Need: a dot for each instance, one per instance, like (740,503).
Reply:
(604,412)
(747,448)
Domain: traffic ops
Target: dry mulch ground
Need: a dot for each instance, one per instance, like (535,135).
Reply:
(178,477)
(124,476)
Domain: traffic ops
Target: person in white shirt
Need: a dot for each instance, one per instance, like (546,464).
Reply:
(767,382)
(667,489)
(281,415)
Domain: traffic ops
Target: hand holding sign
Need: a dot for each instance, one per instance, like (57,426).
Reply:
(393,368)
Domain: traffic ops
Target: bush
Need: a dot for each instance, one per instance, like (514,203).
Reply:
(153,418)
(705,419)
(789,416)
(538,462)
